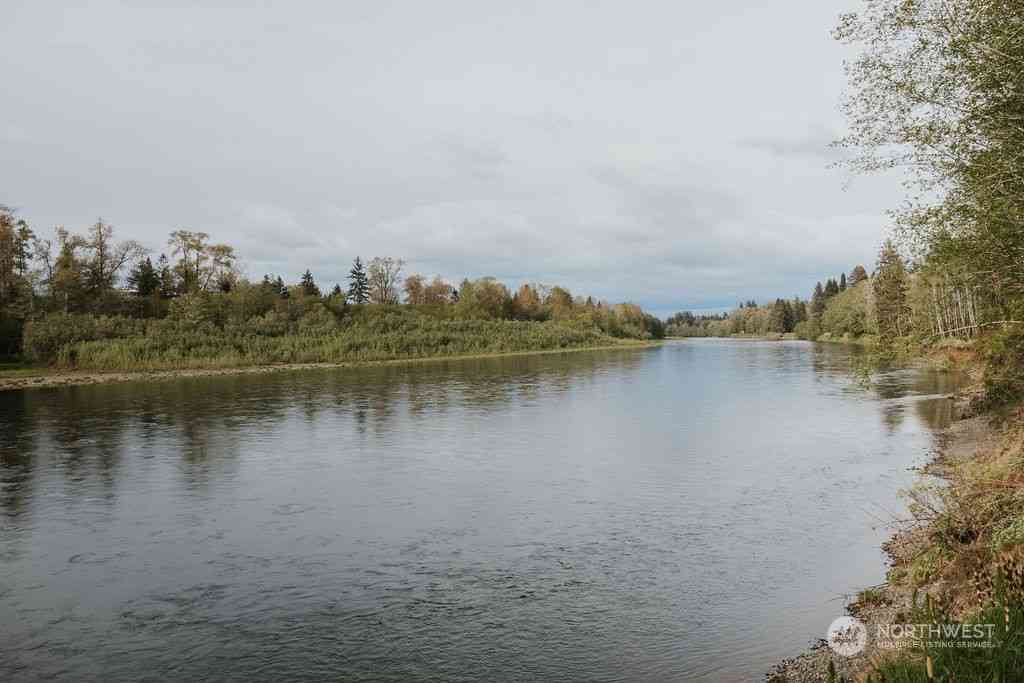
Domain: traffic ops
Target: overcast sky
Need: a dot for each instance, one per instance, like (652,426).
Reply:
(670,153)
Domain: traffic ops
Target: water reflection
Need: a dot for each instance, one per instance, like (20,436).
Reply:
(84,431)
(675,513)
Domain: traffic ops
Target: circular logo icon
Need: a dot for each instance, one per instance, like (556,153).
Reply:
(847,636)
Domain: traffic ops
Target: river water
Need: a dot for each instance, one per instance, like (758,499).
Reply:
(692,512)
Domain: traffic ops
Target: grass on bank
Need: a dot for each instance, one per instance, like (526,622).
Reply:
(995,656)
(15,370)
(121,344)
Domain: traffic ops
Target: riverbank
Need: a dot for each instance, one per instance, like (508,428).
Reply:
(772,336)
(27,377)
(961,541)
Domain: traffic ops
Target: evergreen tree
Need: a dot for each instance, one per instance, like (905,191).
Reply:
(8,250)
(282,290)
(781,319)
(166,275)
(890,289)
(799,311)
(23,248)
(359,283)
(336,292)
(144,279)
(842,282)
(831,288)
(308,285)
(818,301)
(858,274)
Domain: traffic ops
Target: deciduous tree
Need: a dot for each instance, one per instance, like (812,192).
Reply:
(104,258)
(383,275)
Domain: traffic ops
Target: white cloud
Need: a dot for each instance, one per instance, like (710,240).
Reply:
(668,153)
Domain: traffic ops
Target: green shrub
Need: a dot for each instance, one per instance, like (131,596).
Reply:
(43,339)
(849,312)
(1004,367)
(807,329)
(960,659)
(1009,535)
(11,330)
(370,333)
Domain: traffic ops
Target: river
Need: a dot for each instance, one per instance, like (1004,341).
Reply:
(690,512)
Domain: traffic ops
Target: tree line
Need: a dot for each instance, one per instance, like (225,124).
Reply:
(899,299)
(93,273)
(934,90)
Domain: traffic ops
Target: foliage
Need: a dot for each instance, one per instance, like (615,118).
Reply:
(46,337)
(383,277)
(484,298)
(1004,367)
(367,334)
(960,659)
(890,290)
(359,284)
(857,275)
(935,90)
(308,284)
(202,266)
(70,309)
(144,279)
(850,312)
(808,330)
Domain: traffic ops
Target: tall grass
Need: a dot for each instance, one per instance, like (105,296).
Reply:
(959,660)
(316,337)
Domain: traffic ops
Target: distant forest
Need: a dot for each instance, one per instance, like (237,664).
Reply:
(895,301)
(91,300)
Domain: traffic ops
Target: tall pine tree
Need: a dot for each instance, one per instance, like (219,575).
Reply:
(144,278)
(168,289)
(359,284)
(818,301)
(23,248)
(308,285)
(282,289)
(890,288)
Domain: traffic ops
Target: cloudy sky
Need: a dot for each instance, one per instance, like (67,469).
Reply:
(665,152)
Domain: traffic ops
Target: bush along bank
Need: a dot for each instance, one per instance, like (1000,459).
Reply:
(317,334)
